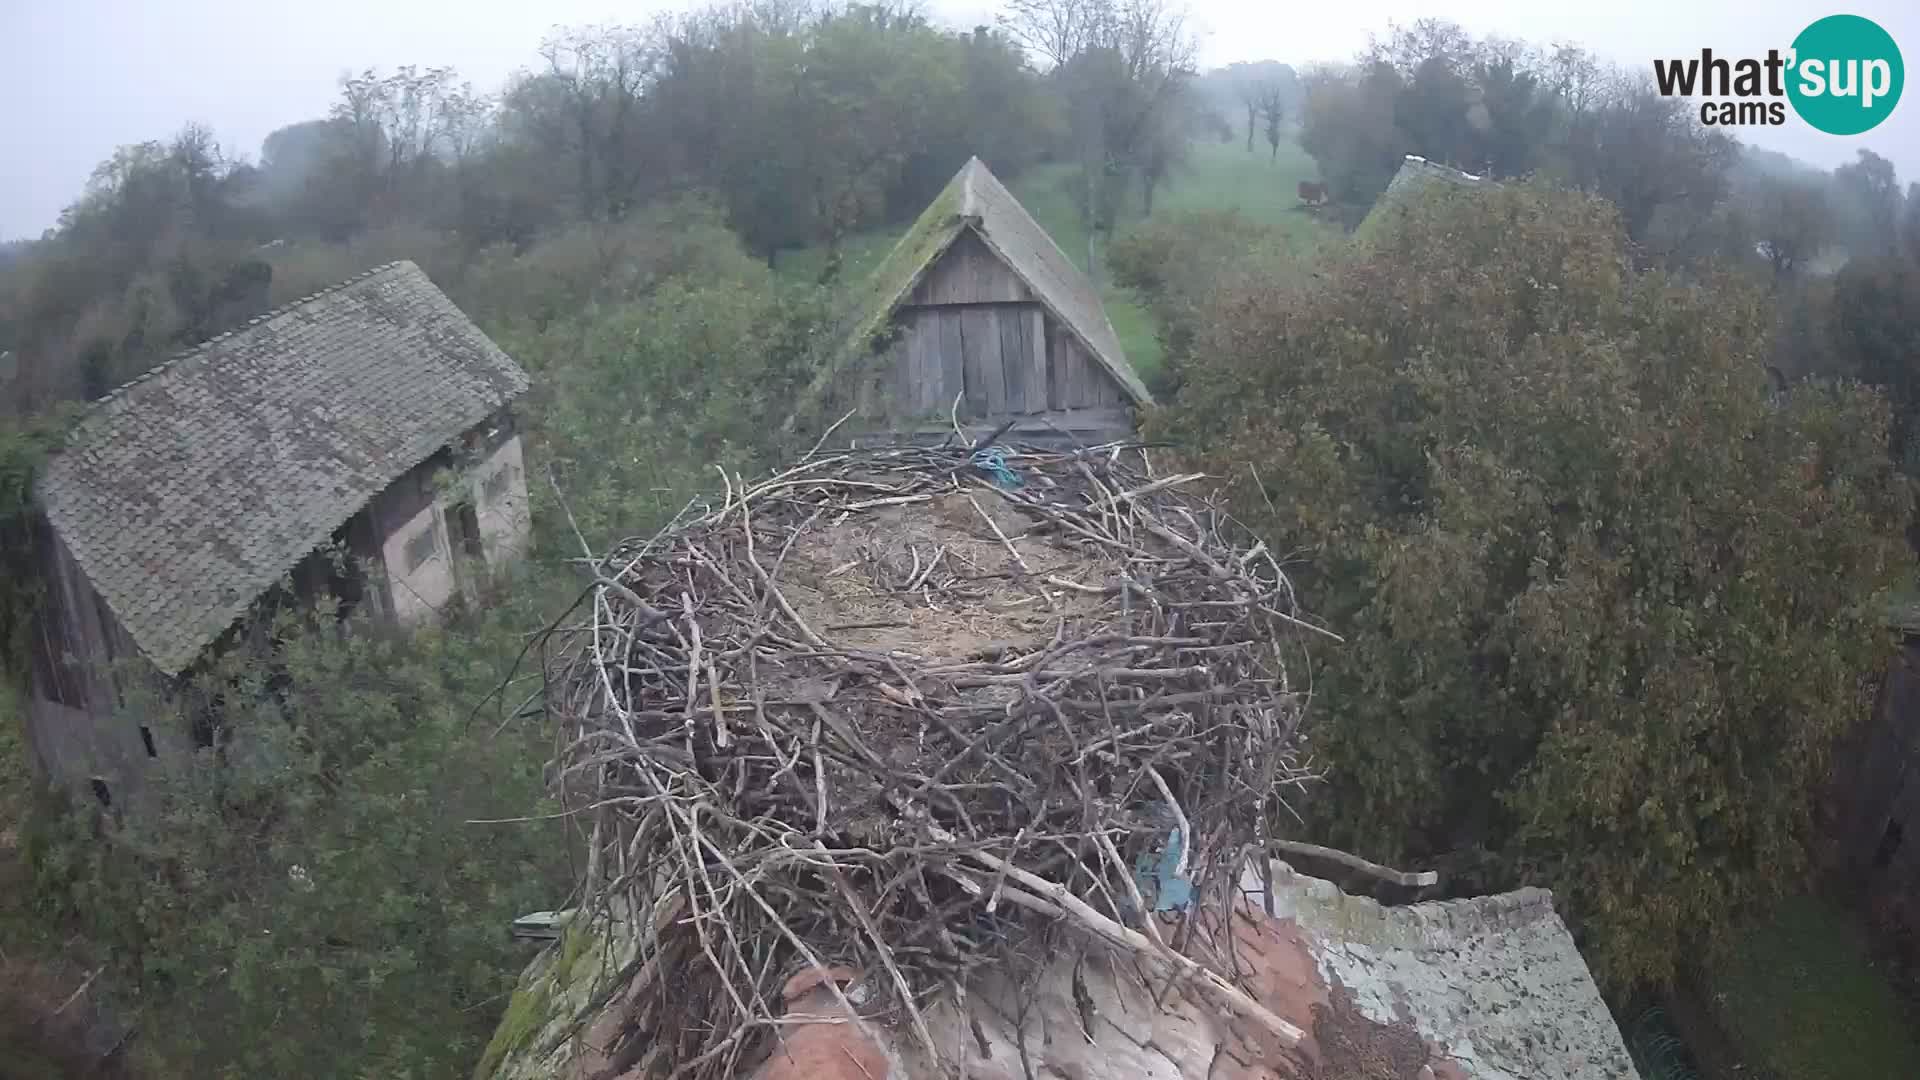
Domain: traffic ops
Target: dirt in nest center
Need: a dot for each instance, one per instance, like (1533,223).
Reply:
(933,580)
(1354,1047)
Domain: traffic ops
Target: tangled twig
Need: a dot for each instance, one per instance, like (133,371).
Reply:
(910,809)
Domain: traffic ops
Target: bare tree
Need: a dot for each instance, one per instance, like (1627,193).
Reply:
(1056,31)
(598,75)
(1273,110)
(1123,67)
(1576,79)
(1250,90)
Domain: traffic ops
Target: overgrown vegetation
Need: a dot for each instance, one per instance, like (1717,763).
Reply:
(311,895)
(1609,592)
(1608,601)
(24,445)
(1799,989)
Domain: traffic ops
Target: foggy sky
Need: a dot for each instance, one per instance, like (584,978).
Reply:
(80,77)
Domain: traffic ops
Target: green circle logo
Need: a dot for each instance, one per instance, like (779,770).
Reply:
(1846,74)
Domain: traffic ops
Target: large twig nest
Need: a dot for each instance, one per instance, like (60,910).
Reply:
(904,712)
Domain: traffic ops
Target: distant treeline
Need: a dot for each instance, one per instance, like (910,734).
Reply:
(1686,193)
(801,121)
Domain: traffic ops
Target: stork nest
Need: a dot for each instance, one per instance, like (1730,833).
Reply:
(885,713)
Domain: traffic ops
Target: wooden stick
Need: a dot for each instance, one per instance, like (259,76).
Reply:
(1355,862)
(1112,932)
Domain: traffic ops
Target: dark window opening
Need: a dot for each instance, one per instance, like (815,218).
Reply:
(463,530)
(100,792)
(1889,844)
(203,718)
(146,739)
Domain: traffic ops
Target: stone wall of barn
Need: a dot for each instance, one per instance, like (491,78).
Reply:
(441,529)
(500,494)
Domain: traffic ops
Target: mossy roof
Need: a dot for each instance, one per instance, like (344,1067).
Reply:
(975,199)
(1416,176)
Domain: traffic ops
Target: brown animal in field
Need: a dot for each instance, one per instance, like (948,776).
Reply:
(1312,194)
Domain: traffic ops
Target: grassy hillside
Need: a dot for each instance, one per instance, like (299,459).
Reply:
(1220,176)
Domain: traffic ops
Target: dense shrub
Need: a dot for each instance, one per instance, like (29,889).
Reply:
(1608,602)
(1178,262)
(309,896)
(636,403)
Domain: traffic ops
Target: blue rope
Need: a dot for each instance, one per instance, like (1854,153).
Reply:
(993,462)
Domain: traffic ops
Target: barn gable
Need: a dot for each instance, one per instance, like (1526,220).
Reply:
(976,302)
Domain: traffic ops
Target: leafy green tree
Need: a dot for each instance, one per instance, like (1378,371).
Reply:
(1124,69)
(1869,192)
(1910,223)
(1512,124)
(1607,601)
(1875,334)
(139,265)
(636,401)
(1481,105)
(1179,262)
(1792,224)
(1651,158)
(1350,128)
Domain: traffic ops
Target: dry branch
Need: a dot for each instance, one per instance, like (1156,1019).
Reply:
(806,797)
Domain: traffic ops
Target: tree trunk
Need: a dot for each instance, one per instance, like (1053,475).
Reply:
(1249,127)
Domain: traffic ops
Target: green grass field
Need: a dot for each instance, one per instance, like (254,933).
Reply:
(1799,995)
(1218,177)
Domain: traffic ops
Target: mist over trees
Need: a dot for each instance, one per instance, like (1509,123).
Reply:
(804,122)
(1602,474)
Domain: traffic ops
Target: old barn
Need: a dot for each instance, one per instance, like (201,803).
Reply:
(977,305)
(357,443)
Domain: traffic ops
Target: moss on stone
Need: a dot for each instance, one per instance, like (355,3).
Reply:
(545,994)
(528,1011)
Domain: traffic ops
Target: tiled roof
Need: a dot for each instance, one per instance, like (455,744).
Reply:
(1487,988)
(186,493)
(975,199)
(1495,982)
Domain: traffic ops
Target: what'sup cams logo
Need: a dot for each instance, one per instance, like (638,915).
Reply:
(1843,75)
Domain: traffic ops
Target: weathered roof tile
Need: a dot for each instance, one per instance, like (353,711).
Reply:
(186,493)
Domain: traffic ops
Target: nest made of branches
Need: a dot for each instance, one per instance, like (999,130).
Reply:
(905,711)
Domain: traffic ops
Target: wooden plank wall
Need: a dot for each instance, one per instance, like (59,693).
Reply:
(1078,380)
(83,663)
(972,328)
(969,273)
